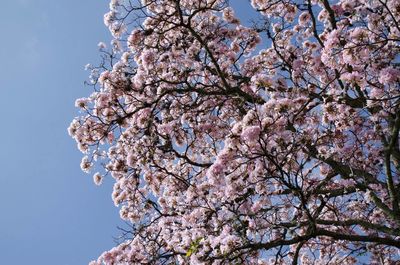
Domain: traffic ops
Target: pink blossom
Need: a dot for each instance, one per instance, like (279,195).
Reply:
(102,45)
(304,18)
(297,65)
(148,58)
(86,165)
(389,75)
(332,39)
(251,134)
(229,15)
(217,168)
(227,143)
(97,178)
(134,38)
(81,103)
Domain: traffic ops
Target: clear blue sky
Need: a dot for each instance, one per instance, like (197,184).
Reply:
(50,211)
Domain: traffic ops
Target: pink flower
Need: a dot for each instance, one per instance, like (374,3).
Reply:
(376,92)
(251,133)
(304,18)
(256,206)
(337,9)
(98,179)
(81,103)
(389,75)
(109,18)
(86,165)
(297,64)
(101,45)
(134,38)
(332,39)
(217,167)
(229,16)
(148,58)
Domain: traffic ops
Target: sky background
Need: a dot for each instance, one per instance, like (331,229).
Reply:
(50,211)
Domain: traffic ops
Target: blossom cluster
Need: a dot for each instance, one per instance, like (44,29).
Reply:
(230,144)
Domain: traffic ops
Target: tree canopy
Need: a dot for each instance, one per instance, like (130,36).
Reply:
(270,142)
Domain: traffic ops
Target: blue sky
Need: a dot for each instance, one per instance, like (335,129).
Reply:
(51,212)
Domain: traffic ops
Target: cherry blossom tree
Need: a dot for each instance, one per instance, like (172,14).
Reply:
(271,142)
